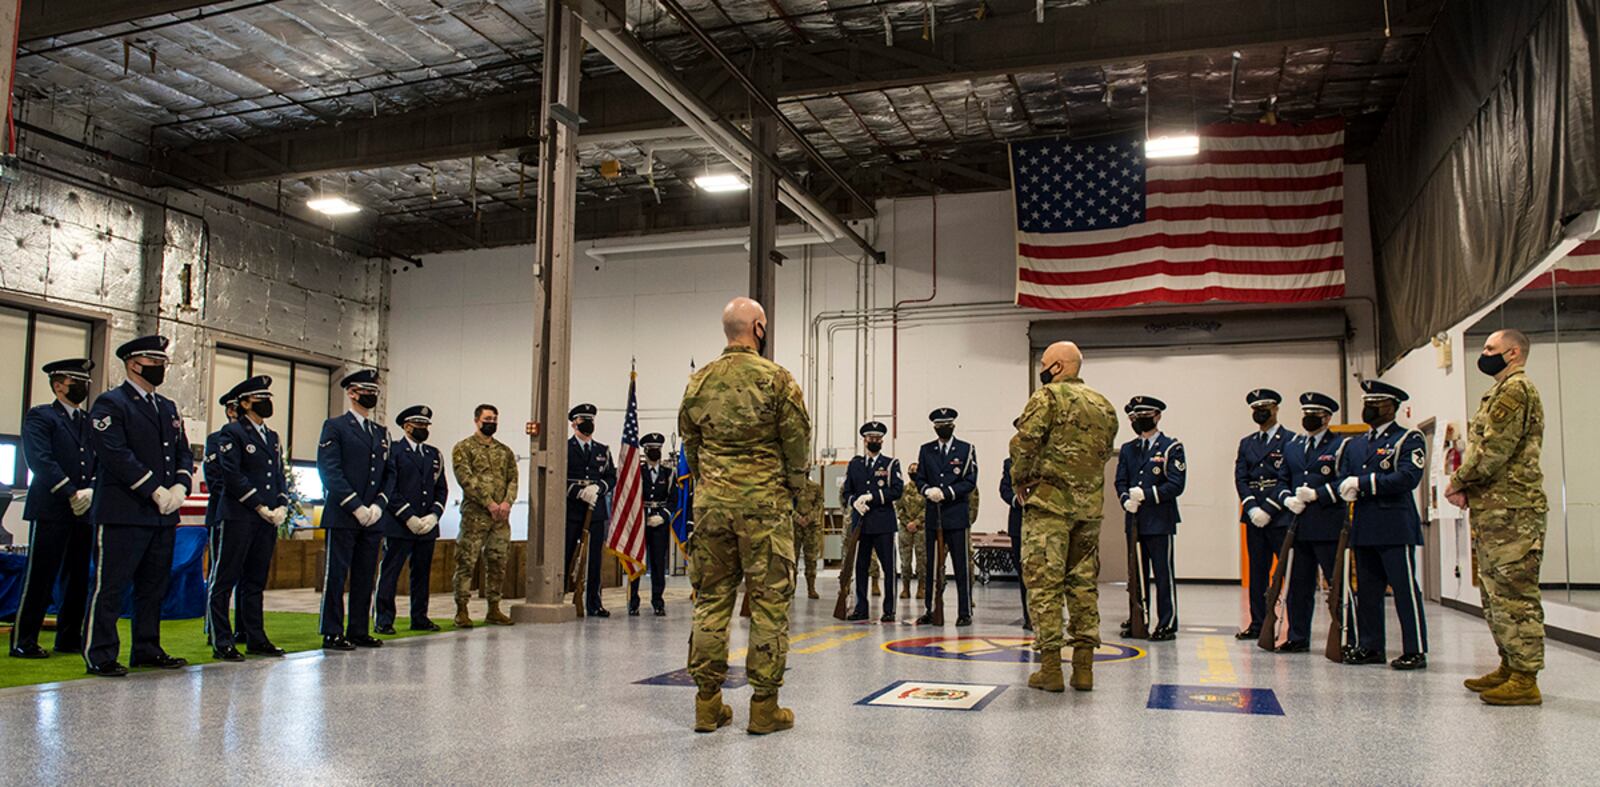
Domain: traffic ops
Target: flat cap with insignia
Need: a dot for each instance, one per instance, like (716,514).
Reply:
(584,410)
(1311,400)
(362,378)
(1146,403)
(259,385)
(874,429)
(76,368)
(415,414)
(144,347)
(1262,396)
(1376,390)
(652,440)
(943,415)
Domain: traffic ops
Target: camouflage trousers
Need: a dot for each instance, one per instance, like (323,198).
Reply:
(1509,544)
(913,553)
(808,545)
(727,546)
(1061,562)
(481,534)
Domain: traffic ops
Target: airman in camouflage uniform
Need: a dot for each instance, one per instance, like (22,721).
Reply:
(747,437)
(808,532)
(1501,482)
(972,519)
(486,469)
(911,508)
(1058,458)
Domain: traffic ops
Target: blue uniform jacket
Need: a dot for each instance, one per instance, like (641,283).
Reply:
(590,466)
(138,447)
(1161,474)
(1388,463)
(357,469)
(1261,476)
(253,472)
(956,473)
(880,480)
(420,489)
(657,490)
(1014,515)
(61,459)
(214,484)
(1319,470)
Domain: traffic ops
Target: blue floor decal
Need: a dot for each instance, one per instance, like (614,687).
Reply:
(1215,699)
(680,677)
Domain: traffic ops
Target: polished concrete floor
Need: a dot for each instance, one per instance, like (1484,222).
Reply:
(543,705)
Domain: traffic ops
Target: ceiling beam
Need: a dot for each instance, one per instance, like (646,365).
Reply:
(46,18)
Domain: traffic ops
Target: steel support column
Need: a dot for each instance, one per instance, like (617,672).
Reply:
(764,201)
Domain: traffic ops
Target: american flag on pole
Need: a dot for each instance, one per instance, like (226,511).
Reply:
(1581,268)
(627,526)
(1256,216)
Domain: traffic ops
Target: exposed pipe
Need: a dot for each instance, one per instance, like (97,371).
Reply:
(894,361)
(602,252)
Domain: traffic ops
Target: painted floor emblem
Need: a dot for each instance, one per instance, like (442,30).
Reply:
(935,696)
(1214,699)
(680,677)
(1003,650)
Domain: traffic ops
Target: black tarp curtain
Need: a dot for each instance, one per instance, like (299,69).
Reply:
(1490,148)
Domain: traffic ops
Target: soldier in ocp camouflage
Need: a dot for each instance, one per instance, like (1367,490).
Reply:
(808,532)
(911,508)
(1058,459)
(1503,486)
(747,437)
(486,470)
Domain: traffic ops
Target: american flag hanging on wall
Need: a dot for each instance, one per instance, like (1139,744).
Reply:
(1257,216)
(627,523)
(1581,268)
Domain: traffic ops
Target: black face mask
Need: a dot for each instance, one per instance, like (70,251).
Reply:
(653,454)
(944,431)
(154,375)
(262,408)
(1143,424)
(1261,415)
(488,428)
(1370,415)
(586,427)
(419,434)
(1492,364)
(1311,423)
(761,339)
(77,391)
(874,446)
(367,400)
(1046,375)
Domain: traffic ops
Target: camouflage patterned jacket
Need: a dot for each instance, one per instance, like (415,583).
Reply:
(911,508)
(972,509)
(746,432)
(808,506)
(1059,454)
(1504,439)
(487,474)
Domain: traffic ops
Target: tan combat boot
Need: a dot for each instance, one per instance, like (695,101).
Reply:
(463,620)
(1083,669)
(710,713)
(1048,676)
(1500,675)
(766,716)
(811,586)
(497,617)
(1522,688)
(905,587)
(876,591)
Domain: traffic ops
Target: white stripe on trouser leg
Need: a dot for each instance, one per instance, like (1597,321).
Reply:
(327,567)
(27,578)
(1172,578)
(211,586)
(1349,623)
(383,554)
(94,600)
(1416,604)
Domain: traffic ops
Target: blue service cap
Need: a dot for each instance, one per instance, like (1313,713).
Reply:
(652,440)
(144,347)
(364,378)
(417,413)
(943,415)
(874,429)
(1311,400)
(1145,403)
(1375,389)
(1263,396)
(76,368)
(584,410)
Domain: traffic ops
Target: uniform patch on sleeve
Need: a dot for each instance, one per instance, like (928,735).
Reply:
(1419,458)
(102,424)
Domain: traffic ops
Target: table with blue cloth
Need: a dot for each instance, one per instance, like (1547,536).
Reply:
(186,590)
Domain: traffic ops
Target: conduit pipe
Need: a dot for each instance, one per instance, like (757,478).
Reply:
(894,360)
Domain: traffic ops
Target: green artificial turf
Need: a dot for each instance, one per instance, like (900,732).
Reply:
(292,631)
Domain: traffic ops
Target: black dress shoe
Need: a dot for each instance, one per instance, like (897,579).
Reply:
(659,612)
(229,653)
(385,630)
(599,613)
(633,612)
(926,619)
(366,641)
(29,652)
(1163,635)
(857,615)
(888,617)
(1410,661)
(425,626)
(110,669)
(964,620)
(162,661)
(1125,628)
(1295,646)
(266,649)
(1362,656)
(336,643)
(68,650)
(1250,633)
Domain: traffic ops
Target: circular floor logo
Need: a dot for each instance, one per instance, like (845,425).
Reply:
(1004,650)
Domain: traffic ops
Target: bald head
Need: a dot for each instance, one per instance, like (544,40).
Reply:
(739,320)
(1062,359)
(1510,344)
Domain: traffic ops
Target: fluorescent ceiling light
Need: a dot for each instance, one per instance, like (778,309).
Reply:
(333,206)
(716,184)
(1171,147)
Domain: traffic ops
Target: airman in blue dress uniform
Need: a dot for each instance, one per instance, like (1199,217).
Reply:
(1151,472)
(255,505)
(358,475)
(658,496)
(872,484)
(1261,478)
(412,527)
(1313,460)
(591,475)
(947,472)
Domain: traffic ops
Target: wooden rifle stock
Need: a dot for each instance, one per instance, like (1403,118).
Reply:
(938,564)
(578,571)
(1138,615)
(1334,650)
(1268,640)
(847,572)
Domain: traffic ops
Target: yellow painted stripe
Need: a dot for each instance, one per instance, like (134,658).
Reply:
(1218,660)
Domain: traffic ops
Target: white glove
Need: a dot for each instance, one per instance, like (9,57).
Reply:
(1305,494)
(1259,518)
(590,494)
(162,498)
(1136,495)
(266,515)
(1295,505)
(1350,488)
(1130,505)
(81,500)
(429,522)
(860,505)
(365,516)
(280,515)
(655,520)
(935,494)
(176,494)
(414,524)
